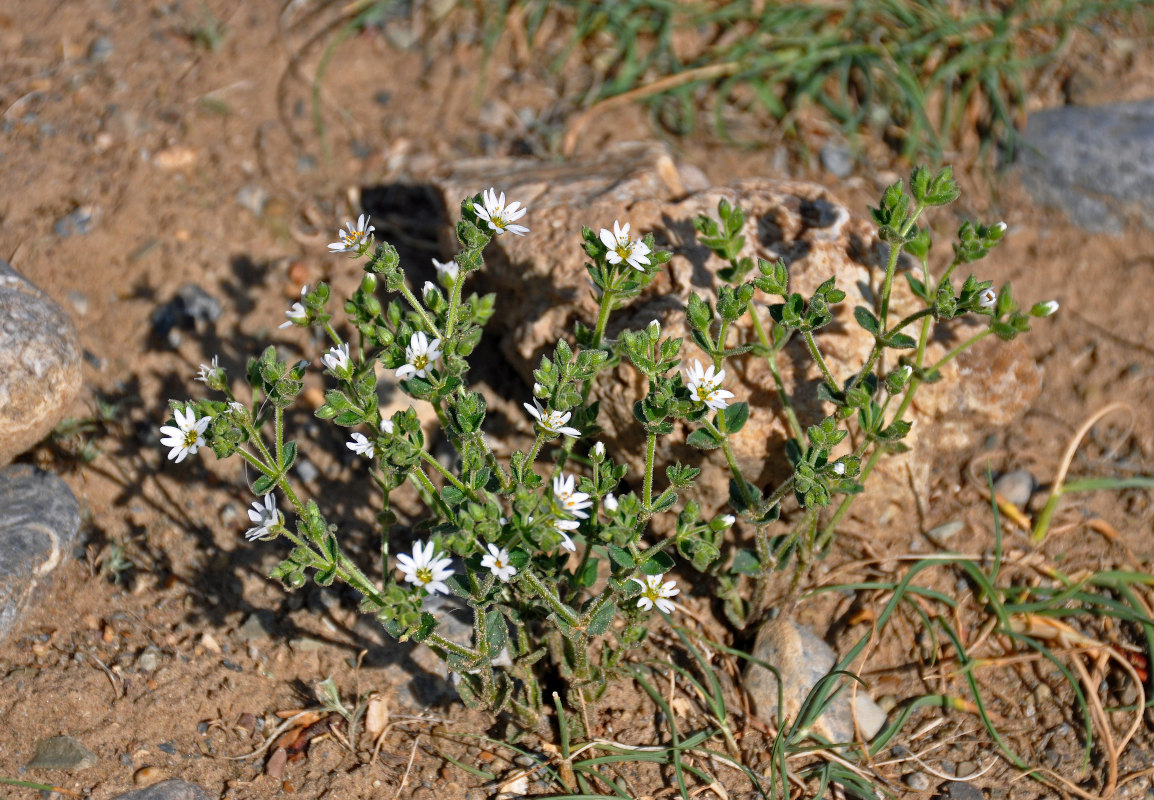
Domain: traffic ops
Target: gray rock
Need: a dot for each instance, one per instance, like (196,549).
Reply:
(918,781)
(258,625)
(253,198)
(62,752)
(167,790)
(149,659)
(803,659)
(941,534)
(39,520)
(78,222)
(39,363)
(191,309)
(961,790)
(837,160)
(1096,164)
(1016,486)
(100,49)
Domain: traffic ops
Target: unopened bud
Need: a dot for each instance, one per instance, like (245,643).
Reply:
(838,468)
(1044,309)
(987,298)
(599,451)
(610,502)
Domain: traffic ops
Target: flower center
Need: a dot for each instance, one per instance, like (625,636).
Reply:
(421,361)
(625,250)
(190,438)
(425,575)
(352,237)
(498,219)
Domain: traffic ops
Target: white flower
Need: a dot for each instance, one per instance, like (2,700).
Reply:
(353,238)
(428,287)
(298,314)
(187,436)
(599,451)
(422,569)
(447,272)
(564,526)
(552,421)
(420,355)
(264,515)
(728,520)
(656,593)
(610,502)
(622,248)
(237,408)
(337,359)
(360,444)
(497,562)
(838,468)
(568,498)
(210,372)
(386,425)
(501,219)
(987,298)
(705,387)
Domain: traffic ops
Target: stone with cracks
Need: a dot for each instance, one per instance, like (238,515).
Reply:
(39,363)
(543,288)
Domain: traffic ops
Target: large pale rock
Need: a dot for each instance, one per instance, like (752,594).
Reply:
(543,288)
(39,363)
(39,521)
(802,660)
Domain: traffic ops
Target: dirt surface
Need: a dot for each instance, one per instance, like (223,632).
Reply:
(208,167)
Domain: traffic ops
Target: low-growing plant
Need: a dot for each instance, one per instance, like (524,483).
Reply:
(561,566)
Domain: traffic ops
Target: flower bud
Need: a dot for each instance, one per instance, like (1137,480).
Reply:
(1045,309)
(610,502)
(987,298)
(598,451)
(369,283)
(838,468)
(654,331)
(540,391)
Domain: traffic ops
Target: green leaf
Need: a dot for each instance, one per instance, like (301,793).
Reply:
(602,619)
(866,319)
(289,454)
(704,439)
(745,563)
(621,557)
(263,485)
(660,563)
(900,341)
(587,575)
(736,415)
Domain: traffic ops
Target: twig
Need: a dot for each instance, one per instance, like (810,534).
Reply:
(405,778)
(284,726)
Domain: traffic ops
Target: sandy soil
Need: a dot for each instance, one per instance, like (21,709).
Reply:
(166,142)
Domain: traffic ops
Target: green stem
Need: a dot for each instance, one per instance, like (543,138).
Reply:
(423,479)
(454,302)
(647,486)
(914,317)
(535,449)
(817,357)
(420,309)
(730,459)
(891,267)
(435,464)
(771,362)
(551,600)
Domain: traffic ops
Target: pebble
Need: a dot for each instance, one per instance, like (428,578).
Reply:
(79,301)
(966,769)
(149,659)
(40,363)
(191,309)
(306,470)
(146,776)
(78,222)
(258,625)
(961,790)
(100,49)
(232,665)
(1016,487)
(39,522)
(837,160)
(166,747)
(168,790)
(62,752)
(253,198)
(803,659)
(918,781)
(941,534)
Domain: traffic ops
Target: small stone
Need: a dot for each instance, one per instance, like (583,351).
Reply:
(887,703)
(79,301)
(209,643)
(62,752)
(40,368)
(1016,487)
(191,309)
(941,534)
(966,769)
(149,659)
(100,49)
(77,222)
(257,625)
(306,470)
(166,747)
(39,521)
(961,790)
(173,159)
(305,644)
(232,665)
(918,781)
(803,659)
(252,198)
(837,160)
(146,776)
(168,790)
